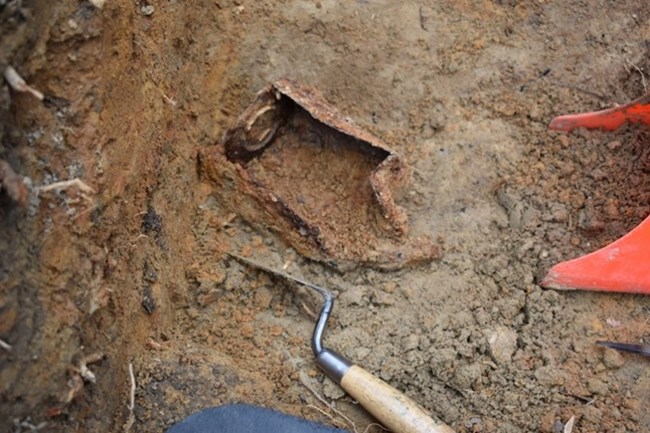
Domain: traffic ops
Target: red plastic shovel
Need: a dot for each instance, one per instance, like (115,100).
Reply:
(623,266)
(637,111)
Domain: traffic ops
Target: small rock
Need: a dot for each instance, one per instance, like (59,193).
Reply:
(578,200)
(473,424)
(597,386)
(390,368)
(147,10)
(564,140)
(592,414)
(613,145)
(547,422)
(549,375)
(503,343)
(411,342)
(390,287)
(361,353)
(556,212)
(481,316)
(98,3)
(148,302)
(353,296)
(207,298)
(263,297)
(9,313)
(382,298)
(467,375)
(331,390)
(192,313)
(613,359)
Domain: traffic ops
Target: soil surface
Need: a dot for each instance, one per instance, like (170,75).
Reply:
(134,272)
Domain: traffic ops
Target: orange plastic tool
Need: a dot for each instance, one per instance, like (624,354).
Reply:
(637,111)
(623,266)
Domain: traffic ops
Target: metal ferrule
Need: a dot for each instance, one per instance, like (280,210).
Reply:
(333,364)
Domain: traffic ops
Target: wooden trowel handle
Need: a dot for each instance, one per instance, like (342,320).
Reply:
(395,410)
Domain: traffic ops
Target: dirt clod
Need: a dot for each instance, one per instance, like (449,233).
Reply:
(613,358)
(503,343)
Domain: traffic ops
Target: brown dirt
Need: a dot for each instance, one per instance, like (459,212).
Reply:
(462,90)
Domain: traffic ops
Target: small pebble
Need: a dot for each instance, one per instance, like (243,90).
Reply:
(613,359)
(503,343)
(411,342)
(564,140)
(549,375)
(147,10)
(473,424)
(98,3)
(592,414)
(192,313)
(613,145)
(597,386)
(331,390)
(547,422)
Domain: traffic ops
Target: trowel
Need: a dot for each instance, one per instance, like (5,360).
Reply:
(392,408)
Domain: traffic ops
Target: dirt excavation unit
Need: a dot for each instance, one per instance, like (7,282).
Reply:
(469,182)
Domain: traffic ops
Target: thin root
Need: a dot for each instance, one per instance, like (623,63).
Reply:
(349,422)
(131,419)
(84,371)
(169,100)
(76,384)
(643,82)
(140,236)
(6,346)
(374,424)
(17,83)
(309,311)
(328,415)
(65,184)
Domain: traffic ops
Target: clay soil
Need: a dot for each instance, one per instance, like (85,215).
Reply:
(137,270)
